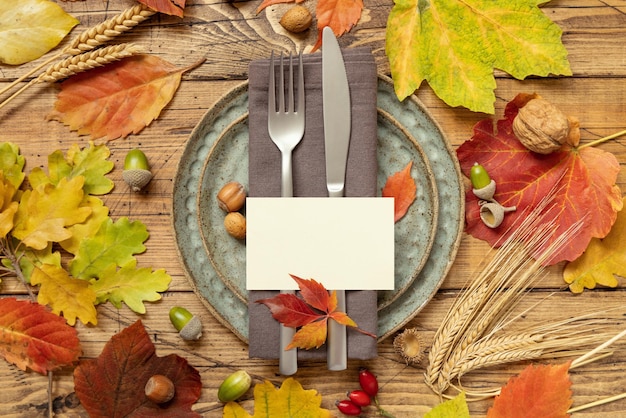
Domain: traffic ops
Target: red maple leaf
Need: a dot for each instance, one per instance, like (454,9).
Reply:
(582,178)
(113,384)
(538,392)
(402,188)
(311,313)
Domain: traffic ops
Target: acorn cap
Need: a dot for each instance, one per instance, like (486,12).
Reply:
(192,329)
(487,192)
(409,345)
(137,178)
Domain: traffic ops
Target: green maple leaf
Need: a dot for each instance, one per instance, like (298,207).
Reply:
(113,244)
(456,45)
(453,408)
(90,163)
(130,285)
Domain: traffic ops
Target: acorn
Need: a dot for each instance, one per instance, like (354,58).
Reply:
(136,170)
(234,386)
(160,389)
(189,326)
(409,345)
(483,186)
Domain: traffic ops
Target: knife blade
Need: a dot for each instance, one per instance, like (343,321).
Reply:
(337,125)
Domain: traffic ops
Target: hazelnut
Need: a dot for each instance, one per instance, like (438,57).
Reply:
(235,224)
(543,128)
(231,197)
(159,389)
(297,19)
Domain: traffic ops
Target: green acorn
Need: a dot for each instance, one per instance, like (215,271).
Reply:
(136,170)
(234,386)
(189,326)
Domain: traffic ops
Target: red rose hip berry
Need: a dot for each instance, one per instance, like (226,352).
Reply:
(359,397)
(368,382)
(348,407)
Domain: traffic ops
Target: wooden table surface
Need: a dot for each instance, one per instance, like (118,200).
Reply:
(229,35)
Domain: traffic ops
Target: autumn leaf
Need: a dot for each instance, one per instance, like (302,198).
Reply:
(71,297)
(30,28)
(32,337)
(8,207)
(582,179)
(118,99)
(602,261)
(112,385)
(170,7)
(266,3)
(130,285)
(291,311)
(455,46)
(291,400)
(452,408)
(541,391)
(402,188)
(45,212)
(113,244)
(339,15)
(87,229)
(12,164)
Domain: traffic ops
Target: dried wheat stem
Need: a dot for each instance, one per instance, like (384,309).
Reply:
(83,62)
(597,403)
(109,29)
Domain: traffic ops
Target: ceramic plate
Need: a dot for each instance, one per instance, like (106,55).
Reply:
(217,153)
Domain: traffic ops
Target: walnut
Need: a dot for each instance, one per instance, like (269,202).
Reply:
(543,128)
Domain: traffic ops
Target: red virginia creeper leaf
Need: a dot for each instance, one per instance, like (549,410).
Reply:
(170,7)
(112,385)
(402,188)
(538,392)
(312,335)
(290,310)
(33,337)
(584,180)
(314,293)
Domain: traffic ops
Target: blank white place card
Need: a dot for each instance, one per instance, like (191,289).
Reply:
(343,243)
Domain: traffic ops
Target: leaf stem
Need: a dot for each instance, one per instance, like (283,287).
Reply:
(601,140)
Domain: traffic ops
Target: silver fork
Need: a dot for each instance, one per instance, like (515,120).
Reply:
(286,129)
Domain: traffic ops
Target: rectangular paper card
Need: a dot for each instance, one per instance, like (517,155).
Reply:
(343,243)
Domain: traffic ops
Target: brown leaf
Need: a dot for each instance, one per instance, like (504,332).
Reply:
(33,337)
(113,384)
(170,7)
(402,188)
(118,99)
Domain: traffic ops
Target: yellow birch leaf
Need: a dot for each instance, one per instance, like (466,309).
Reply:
(45,213)
(73,298)
(30,28)
(602,260)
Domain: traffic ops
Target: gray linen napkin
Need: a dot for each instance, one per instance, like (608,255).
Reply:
(309,180)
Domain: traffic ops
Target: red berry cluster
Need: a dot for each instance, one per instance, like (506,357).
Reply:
(357,399)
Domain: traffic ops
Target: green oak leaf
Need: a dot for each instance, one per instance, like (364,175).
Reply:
(130,285)
(92,163)
(456,45)
(453,408)
(113,244)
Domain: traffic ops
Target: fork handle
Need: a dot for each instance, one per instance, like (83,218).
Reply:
(286,175)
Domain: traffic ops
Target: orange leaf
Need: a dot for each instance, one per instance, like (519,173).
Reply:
(312,335)
(584,180)
(273,2)
(538,392)
(33,337)
(170,7)
(314,293)
(113,384)
(118,99)
(402,188)
(340,15)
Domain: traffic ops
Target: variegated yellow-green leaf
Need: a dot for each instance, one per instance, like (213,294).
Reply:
(12,163)
(45,213)
(456,45)
(87,229)
(8,207)
(73,298)
(452,408)
(30,28)
(602,260)
(130,285)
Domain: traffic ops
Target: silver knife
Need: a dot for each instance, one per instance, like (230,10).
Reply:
(337,121)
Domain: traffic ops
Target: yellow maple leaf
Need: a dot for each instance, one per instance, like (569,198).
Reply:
(45,213)
(291,400)
(601,261)
(66,295)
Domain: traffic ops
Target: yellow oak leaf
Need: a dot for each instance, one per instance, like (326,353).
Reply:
(8,207)
(30,28)
(290,401)
(601,261)
(45,213)
(88,228)
(73,298)
(118,99)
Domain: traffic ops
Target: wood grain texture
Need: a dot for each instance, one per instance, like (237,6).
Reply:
(228,35)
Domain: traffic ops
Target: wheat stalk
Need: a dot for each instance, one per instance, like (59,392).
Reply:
(83,62)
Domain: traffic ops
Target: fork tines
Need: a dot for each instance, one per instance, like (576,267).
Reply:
(290,93)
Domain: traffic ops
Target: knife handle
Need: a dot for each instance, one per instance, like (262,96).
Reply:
(337,355)
(287,359)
